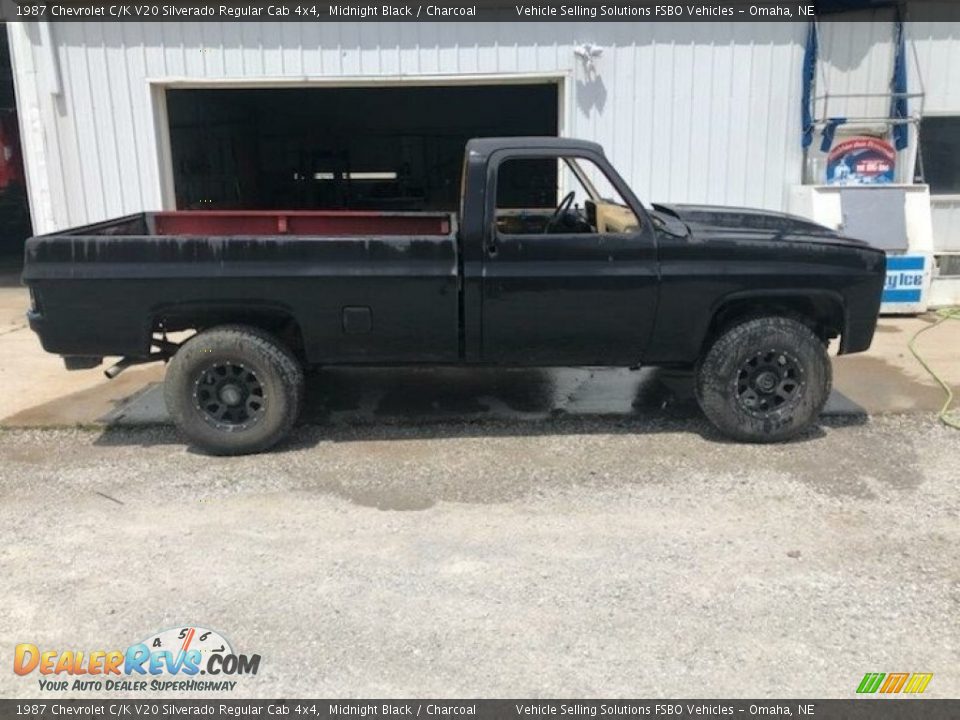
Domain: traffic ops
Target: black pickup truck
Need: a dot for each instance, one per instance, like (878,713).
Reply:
(746,299)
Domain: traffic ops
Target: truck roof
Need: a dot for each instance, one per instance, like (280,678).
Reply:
(487,145)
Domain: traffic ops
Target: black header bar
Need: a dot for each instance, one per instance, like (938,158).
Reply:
(309,11)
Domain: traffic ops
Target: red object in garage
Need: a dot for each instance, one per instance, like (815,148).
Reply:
(11,160)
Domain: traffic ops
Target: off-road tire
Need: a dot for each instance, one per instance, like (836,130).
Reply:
(720,382)
(277,376)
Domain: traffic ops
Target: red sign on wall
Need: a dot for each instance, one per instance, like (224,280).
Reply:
(861,161)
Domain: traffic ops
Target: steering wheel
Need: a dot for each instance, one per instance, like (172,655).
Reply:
(561,208)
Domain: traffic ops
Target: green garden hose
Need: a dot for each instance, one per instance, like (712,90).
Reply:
(946,416)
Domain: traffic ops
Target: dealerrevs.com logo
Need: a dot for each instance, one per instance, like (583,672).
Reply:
(179,659)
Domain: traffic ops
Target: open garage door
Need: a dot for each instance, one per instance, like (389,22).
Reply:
(378,147)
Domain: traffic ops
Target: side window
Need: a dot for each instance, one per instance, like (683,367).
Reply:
(553,196)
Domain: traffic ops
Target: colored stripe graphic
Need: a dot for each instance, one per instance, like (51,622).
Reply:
(894,682)
(918,682)
(870,682)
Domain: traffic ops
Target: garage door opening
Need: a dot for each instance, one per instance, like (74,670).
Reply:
(389,148)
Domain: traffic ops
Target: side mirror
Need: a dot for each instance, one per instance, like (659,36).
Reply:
(670,225)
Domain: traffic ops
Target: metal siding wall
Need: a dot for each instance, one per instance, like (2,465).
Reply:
(938,56)
(857,57)
(689,112)
(945,212)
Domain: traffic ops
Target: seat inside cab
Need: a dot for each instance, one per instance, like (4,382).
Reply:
(550,196)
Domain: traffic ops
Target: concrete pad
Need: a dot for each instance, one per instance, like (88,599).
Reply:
(98,401)
(839,405)
(41,393)
(888,379)
(605,397)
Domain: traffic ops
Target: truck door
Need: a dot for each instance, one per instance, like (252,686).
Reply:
(569,263)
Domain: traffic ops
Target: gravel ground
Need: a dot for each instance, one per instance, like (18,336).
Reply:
(568,557)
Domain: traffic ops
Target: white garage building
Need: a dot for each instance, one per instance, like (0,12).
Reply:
(118,118)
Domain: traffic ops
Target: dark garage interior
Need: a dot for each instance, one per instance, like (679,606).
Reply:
(389,148)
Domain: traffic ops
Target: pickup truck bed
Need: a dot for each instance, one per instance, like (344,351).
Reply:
(168,270)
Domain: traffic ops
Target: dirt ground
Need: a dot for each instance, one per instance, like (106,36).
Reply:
(555,558)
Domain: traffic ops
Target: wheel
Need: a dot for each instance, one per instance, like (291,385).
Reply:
(234,390)
(764,380)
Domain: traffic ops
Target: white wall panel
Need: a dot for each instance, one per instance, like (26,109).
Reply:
(856,57)
(938,53)
(695,112)
(946,223)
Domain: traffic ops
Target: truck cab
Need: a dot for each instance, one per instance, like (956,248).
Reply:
(548,281)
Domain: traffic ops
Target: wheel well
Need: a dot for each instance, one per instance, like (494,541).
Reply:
(823,315)
(278,322)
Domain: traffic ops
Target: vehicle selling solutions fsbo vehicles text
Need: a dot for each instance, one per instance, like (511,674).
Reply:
(662,11)
(595,11)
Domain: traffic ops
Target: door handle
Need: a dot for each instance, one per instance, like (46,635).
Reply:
(492,246)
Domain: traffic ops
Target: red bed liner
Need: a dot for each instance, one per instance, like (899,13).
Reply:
(299,222)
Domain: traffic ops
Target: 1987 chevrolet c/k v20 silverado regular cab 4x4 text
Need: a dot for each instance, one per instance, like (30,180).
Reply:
(747,299)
